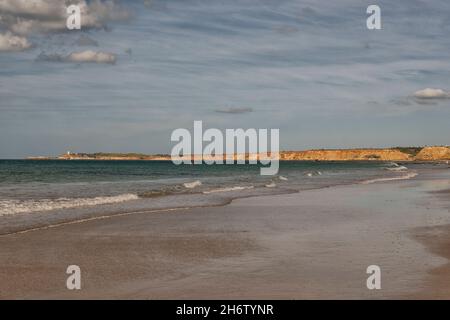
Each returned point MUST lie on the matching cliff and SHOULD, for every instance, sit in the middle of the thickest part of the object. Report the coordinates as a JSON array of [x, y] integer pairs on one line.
[[433, 154], [389, 154], [112, 156], [364, 154], [348, 155]]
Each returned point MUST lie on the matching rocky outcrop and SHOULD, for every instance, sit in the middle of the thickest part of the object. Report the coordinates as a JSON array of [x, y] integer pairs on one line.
[[433, 154]]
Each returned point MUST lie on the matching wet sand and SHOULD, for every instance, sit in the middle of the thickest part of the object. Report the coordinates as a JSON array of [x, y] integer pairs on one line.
[[437, 240], [313, 244]]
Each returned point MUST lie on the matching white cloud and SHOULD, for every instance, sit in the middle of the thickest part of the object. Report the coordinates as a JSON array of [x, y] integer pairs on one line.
[[10, 42], [22, 18], [430, 93], [92, 56], [35, 16], [38, 8]]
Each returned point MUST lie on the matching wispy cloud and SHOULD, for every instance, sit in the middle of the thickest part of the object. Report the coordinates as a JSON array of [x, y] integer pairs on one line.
[[92, 56], [234, 110], [86, 41], [88, 56]]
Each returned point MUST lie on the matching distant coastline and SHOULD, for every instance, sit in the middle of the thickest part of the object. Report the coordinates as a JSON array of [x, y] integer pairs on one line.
[[418, 154]]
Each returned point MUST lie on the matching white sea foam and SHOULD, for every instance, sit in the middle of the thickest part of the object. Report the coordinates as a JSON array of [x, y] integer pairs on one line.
[[271, 185], [407, 176], [397, 168], [13, 206], [313, 173], [393, 164], [282, 178], [192, 185], [228, 189]]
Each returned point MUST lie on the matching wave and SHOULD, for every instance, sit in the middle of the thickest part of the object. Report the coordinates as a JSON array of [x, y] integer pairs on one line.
[[393, 164], [313, 173], [227, 189], [271, 185], [191, 185], [397, 168], [282, 178], [157, 193], [171, 190], [8, 207], [407, 176]]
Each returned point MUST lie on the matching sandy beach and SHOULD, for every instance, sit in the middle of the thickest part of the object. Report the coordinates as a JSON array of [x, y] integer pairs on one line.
[[312, 244], [224, 150]]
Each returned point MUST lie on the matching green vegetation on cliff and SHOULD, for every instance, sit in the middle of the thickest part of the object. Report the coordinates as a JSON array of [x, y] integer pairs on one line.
[[413, 151]]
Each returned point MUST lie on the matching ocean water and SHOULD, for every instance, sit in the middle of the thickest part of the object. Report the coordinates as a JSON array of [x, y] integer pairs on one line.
[[92, 187]]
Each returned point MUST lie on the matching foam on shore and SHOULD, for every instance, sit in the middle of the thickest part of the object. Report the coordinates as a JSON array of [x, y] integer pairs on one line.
[[13, 206], [407, 176]]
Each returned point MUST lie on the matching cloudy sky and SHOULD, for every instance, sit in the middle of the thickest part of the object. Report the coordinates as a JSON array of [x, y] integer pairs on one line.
[[140, 69]]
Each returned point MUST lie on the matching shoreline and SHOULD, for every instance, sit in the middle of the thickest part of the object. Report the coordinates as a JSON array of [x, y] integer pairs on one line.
[[277, 247], [56, 220], [426, 153]]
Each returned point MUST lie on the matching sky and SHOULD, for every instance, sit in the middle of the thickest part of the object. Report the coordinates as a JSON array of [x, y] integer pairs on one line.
[[137, 70]]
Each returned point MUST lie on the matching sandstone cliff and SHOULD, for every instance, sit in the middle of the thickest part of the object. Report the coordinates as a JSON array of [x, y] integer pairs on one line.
[[348, 155], [433, 154], [366, 154]]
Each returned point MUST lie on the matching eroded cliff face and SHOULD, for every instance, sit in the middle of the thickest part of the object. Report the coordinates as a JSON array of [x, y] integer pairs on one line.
[[433, 154], [348, 155], [389, 154], [396, 154]]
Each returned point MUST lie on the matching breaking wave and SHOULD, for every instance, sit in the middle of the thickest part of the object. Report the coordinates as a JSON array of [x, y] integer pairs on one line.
[[313, 173], [227, 189], [407, 176], [398, 168], [8, 207], [192, 185]]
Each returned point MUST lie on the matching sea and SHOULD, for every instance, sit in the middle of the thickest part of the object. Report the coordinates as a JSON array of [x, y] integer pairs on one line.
[[35, 193]]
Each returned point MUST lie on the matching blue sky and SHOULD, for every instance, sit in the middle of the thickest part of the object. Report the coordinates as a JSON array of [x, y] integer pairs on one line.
[[310, 68]]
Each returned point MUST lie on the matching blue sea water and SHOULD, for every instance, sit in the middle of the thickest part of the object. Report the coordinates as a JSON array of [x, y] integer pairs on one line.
[[40, 186]]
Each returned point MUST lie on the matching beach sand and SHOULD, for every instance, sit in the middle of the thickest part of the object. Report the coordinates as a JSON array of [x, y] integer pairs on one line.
[[312, 244]]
